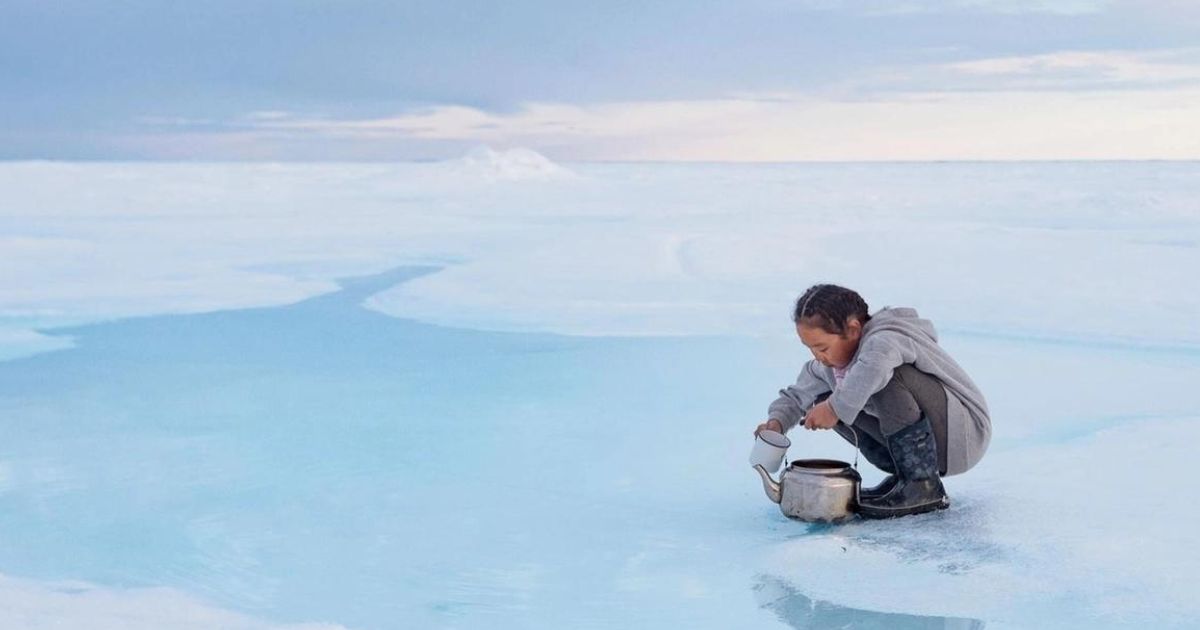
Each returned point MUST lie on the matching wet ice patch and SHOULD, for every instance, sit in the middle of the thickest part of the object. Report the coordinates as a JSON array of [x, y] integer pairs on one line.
[[70, 604], [1078, 534], [23, 342], [302, 461]]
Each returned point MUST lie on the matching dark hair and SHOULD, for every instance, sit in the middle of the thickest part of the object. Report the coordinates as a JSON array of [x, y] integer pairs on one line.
[[830, 307]]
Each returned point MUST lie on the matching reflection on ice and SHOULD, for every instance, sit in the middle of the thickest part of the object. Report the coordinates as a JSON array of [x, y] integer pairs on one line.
[[804, 613]]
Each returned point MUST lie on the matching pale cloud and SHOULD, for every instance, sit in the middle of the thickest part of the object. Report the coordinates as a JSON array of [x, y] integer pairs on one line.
[[1115, 104], [1080, 66], [926, 125], [173, 121], [159, 101], [1075, 71], [548, 120], [894, 7], [268, 115]]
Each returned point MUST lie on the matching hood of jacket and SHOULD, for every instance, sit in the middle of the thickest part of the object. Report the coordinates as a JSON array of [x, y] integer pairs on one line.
[[901, 319]]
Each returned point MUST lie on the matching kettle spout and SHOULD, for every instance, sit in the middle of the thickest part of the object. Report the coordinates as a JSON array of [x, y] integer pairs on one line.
[[769, 484]]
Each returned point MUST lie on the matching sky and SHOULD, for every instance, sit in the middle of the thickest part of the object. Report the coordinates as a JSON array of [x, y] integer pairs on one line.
[[696, 80]]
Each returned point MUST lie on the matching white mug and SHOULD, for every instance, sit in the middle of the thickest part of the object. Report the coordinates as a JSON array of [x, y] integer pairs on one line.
[[769, 448]]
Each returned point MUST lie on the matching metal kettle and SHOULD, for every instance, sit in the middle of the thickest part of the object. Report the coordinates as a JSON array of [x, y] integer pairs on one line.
[[815, 490]]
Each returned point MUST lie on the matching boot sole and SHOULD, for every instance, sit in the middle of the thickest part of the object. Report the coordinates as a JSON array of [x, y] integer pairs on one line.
[[871, 496], [879, 513]]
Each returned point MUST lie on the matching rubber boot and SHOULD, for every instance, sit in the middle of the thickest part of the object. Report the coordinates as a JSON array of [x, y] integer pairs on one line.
[[875, 453], [918, 486]]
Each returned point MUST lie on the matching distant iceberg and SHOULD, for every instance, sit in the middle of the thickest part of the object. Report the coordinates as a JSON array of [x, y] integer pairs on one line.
[[512, 164]]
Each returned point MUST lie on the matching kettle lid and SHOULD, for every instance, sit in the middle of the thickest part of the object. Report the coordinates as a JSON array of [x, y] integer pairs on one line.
[[827, 467]]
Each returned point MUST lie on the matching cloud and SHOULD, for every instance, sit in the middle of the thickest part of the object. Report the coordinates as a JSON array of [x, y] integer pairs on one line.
[[268, 115], [896, 7], [1077, 70], [1074, 71], [1071, 104], [1125, 106], [157, 98]]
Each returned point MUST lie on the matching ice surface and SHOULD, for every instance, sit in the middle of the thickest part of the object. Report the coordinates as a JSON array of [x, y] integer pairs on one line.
[[1048, 250], [32, 604], [258, 449], [20, 342]]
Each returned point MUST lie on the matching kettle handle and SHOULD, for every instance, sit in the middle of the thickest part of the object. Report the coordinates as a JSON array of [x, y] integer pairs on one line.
[[855, 435]]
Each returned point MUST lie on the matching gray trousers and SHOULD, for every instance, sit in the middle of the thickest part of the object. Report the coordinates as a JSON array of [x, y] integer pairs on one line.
[[900, 403]]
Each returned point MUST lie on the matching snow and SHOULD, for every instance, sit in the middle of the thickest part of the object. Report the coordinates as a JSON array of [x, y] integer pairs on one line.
[[619, 249], [31, 604], [502, 392], [513, 165]]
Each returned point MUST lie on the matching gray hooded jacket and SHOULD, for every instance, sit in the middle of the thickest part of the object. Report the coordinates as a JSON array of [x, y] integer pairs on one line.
[[895, 336]]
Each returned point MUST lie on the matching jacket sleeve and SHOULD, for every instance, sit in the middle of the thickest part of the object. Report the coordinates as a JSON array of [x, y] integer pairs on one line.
[[795, 400], [876, 361]]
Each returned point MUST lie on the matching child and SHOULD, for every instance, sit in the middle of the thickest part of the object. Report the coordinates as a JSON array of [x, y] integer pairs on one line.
[[882, 381]]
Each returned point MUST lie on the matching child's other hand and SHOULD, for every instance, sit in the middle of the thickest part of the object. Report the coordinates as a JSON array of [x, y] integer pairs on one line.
[[821, 416], [770, 425]]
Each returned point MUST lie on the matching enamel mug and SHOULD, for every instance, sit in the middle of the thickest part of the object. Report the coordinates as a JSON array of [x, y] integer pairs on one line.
[[769, 448]]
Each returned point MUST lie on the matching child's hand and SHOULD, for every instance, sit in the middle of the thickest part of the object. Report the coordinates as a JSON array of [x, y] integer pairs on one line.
[[821, 416], [770, 425]]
